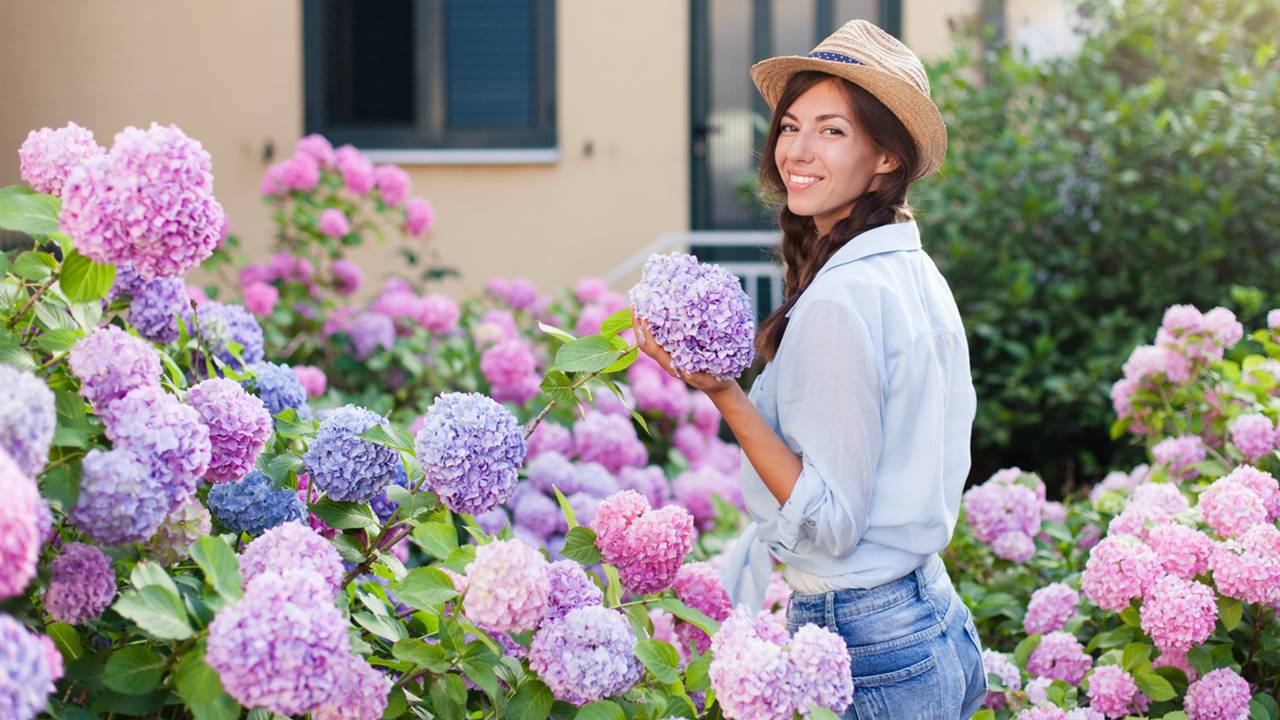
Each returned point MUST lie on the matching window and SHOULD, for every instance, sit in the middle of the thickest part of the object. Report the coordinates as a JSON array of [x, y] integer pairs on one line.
[[431, 74]]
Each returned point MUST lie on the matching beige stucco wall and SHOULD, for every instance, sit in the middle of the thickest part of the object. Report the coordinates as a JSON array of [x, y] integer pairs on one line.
[[230, 74]]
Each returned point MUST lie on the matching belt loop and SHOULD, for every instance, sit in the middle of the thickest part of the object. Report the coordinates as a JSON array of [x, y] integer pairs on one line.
[[831, 611]]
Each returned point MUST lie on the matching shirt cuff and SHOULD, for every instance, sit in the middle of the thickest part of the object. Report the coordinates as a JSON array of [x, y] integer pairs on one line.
[[795, 519]]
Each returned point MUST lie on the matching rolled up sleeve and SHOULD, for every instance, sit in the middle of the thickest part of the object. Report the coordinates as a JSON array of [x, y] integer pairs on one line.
[[830, 413]]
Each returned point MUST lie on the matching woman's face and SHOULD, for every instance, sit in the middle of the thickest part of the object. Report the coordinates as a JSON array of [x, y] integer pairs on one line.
[[824, 158]]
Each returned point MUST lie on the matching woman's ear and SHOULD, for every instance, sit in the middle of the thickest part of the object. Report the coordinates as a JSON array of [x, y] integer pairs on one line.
[[887, 164]]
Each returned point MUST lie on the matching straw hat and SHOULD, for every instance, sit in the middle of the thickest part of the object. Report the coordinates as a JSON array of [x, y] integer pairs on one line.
[[871, 58]]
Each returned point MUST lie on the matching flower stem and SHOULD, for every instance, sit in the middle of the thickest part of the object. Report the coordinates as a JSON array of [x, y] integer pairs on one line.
[[32, 300]]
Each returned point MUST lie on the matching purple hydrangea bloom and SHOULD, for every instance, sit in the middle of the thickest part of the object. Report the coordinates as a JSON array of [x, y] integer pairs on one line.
[[511, 371], [610, 440], [347, 277], [507, 586], [27, 419], [260, 645], [362, 693], [595, 480], [697, 312], [649, 481], [148, 202], [48, 156], [19, 529], [254, 504], [471, 449], [549, 436], [122, 498], [278, 386], [290, 546], [220, 325], [571, 589], [587, 655], [110, 362], [538, 514], [26, 674], [155, 304], [694, 489], [370, 331], [1180, 454], [171, 542], [552, 470], [170, 436], [238, 423], [492, 521], [82, 586], [345, 466], [584, 508]]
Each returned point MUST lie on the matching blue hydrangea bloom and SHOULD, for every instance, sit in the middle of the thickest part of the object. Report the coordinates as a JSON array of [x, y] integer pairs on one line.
[[471, 449], [278, 387], [254, 504], [219, 325], [27, 419], [344, 466], [156, 304]]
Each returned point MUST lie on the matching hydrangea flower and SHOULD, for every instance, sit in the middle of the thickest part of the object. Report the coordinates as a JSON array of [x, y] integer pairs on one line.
[[356, 169], [1014, 546], [507, 587], [538, 514], [1112, 691], [219, 325], [172, 541], [47, 157], [694, 489], [1264, 485], [289, 546], [370, 331], [698, 586], [569, 589], [1220, 695], [347, 277], [82, 586], [610, 440], [27, 670], [393, 184], [109, 363], [168, 435], [148, 202], [1061, 657], [345, 466], [279, 387], [261, 298], [820, 666], [318, 148], [1253, 435], [1164, 496], [238, 423], [587, 655], [312, 379], [1248, 568], [1178, 614], [299, 173], [333, 223], [998, 664], [511, 371], [254, 504], [595, 480], [1230, 507], [418, 217], [1180, 454], [551, 470], [1119, 569], [361, 693], [1183, 551], [155, 305], [550, 436], [1050, 608], [647, 546], [697, 312], [19, 528], [437, 313], [995, 508], [122, 498], [283, 623], [471, 449], [27, 419], [649, 481]]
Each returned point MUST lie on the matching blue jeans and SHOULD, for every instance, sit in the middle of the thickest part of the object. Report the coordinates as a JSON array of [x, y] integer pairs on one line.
[[914, 649]]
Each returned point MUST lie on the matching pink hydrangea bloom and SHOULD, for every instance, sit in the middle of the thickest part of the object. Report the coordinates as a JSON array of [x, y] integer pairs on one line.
[[333, 223], [1138, 521], [1253, 435], [1220, 695], [291, 546], [1178, 614], [1264, 485], [511, 370], [590, 289], [1061, 657], [1119, 481], [1164, 496], [356, 169], [261, 298], [694, 489], [361, 692], [590, 320], [239, 427], [646, 545], [19, 528], [437, 313], [994, 508], [47, 157], [998, 664], [1050, 609], [1249, 568], [1112, 690], [1221, 323], [1175, 660], [1014, 546], [1119, 569], [317, 147], [347, 277], [418, 216], [507, 586], [1273, 319], [1042, 712], [1230, 507], [393, 184], [1180, 454], [698, 586], [610, 440], [312, 378], [1183, 551]]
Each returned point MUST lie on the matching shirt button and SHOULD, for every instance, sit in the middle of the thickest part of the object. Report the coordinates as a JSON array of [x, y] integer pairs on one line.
[[809, 523]]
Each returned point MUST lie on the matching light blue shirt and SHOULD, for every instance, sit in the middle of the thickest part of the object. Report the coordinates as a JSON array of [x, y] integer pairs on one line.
[[871, 388]]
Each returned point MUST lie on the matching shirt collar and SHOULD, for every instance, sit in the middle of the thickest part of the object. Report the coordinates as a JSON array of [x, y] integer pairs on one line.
[[885, 238]]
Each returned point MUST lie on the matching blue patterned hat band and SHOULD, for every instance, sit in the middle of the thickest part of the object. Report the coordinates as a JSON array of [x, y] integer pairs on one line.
[[837, 57]]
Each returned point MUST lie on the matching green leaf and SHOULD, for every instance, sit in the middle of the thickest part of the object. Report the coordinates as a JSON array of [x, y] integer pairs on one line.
[[622, 363], [425, 588], [984, 714], [589, 354], [384, 627], [1135, 654], [1174, 715], [389, 436], [617, 322], [601, 710], [1229, 612], [66, 639], [1268, 703], [157, 611], [421, 653], [580, 546], [16, 357], [1024, 649], [110, 702], [58, 341], [532, 701], [821, 713], [289, 425], [33, 265], [437, 538], [1156, 687], [448, 695], [688, 614], [1129, 616], [84, 280], [218, 561], [34, 214], [148, 573], [133, 670], [345, 515], [660, 658], [556, 332], [557, 386], [478, 662], [199, 687]]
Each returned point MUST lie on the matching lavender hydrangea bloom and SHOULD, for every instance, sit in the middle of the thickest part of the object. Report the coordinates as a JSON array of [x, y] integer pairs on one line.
[[278, 386], [26, 678], [344, 466], [610, 440], [697, 312], [169, 435], [538, 514], [649, 481], [156, 306], [122, 498], [570, 590], [553, 470], [48, 156], [370, 331], [595, 479], [471, 449], [587, 655], [238, 423], [292, 546], [83, 584], [254, 504], [259, 645], [362, 693], [27, 419], [19, 528], [219, 325], [820, 665], [109, 363], [148, 202]]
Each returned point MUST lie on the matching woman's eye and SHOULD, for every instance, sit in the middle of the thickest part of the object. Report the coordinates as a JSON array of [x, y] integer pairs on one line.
[[786, 127], [834, 131]]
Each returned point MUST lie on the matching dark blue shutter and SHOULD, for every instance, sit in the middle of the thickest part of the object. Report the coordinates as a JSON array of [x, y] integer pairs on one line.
[[371, 61], [489, 63]]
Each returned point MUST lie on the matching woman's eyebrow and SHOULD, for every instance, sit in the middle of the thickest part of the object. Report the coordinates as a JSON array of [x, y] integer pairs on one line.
[[820, 118]]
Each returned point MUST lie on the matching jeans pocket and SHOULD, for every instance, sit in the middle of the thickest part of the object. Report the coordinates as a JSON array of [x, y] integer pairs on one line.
[[977, 674], [911, 692]]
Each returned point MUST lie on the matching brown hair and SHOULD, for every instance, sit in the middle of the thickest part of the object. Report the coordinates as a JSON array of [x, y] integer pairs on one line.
[[803, 253]]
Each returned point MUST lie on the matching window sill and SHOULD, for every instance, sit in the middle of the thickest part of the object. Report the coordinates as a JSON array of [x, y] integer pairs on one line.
[[478, 156]]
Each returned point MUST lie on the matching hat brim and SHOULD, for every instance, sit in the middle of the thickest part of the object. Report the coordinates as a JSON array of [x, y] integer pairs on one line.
[[917, 112]]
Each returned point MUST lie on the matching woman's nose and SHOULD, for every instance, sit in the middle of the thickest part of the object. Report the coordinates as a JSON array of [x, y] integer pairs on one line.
[[800, 149]]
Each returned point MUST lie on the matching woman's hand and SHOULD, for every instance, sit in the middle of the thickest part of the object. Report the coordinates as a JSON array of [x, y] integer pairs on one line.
[[706, 382]]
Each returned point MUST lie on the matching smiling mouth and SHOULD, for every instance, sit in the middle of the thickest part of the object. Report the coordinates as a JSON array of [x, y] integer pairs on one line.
[[801, 182]]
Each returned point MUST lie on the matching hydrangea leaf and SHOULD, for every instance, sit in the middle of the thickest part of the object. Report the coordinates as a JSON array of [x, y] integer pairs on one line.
[[689, 615], [1155, 687], [425, 588], [219, 564], [30, 213], [157, 611], [617, 322], [1230, 611], [556, 332], [660, 658], [84, 280], [345, 515], [601, 710], [532, 701], [133, 670], [580, 546], [589, 354], [199, 687], [439, 539]]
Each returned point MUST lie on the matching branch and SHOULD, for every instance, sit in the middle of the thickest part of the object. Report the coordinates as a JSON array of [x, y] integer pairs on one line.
[[32, 300]]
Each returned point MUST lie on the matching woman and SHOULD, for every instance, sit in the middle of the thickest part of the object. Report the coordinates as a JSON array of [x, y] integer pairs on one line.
[[856, 433]]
